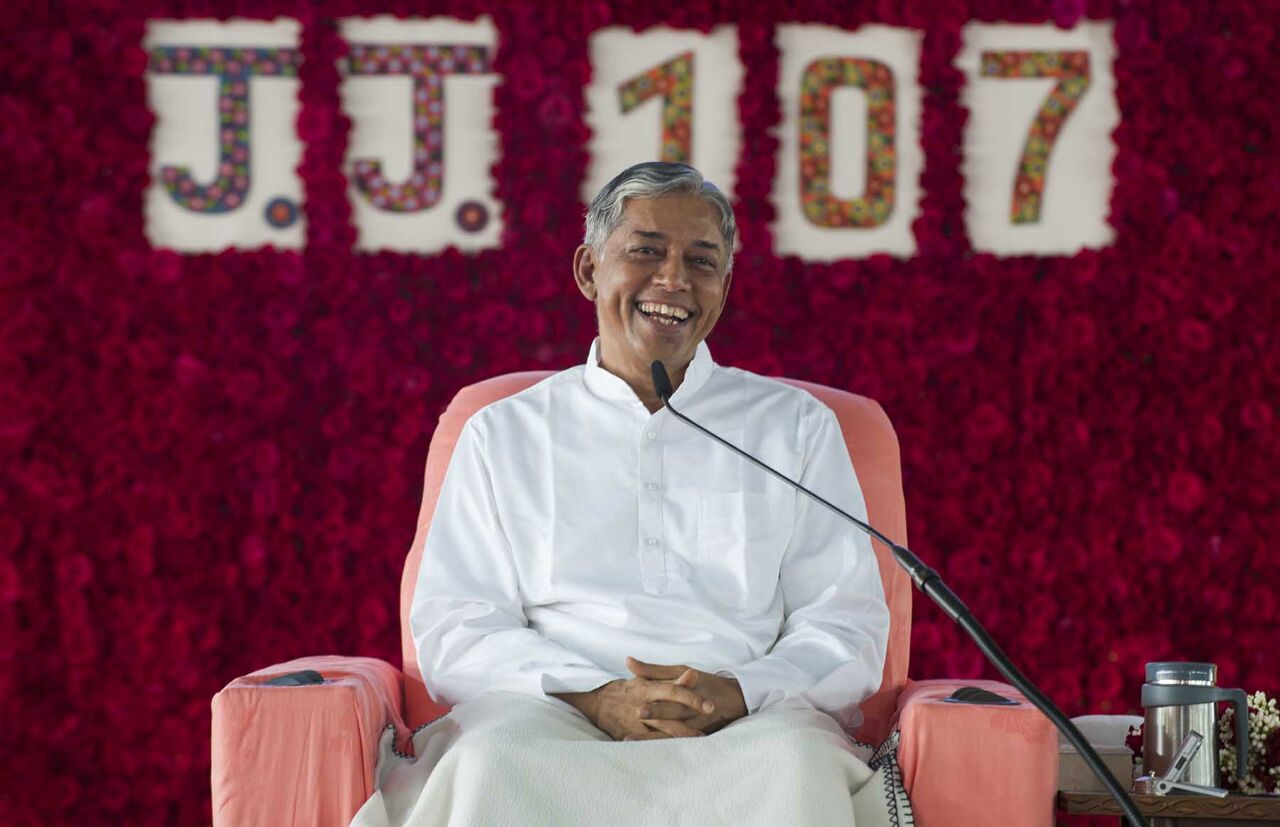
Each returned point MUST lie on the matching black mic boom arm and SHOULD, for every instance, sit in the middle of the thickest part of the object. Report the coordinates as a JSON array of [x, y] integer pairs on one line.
[[931, 584]]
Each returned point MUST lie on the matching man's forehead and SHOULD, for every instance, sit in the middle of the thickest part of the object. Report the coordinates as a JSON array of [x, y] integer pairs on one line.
[[655, 235], [639, 219]]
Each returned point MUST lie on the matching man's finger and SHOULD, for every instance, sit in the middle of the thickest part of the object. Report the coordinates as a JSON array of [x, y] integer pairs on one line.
[[665, 709], [680, 695], [648, 736], [675, 729], [654, 671]]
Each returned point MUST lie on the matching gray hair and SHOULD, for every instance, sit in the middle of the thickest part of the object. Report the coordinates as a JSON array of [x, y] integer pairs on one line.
[[650, 180]]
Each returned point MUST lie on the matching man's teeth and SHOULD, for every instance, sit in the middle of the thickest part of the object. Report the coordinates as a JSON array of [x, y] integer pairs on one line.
[[664, 313]]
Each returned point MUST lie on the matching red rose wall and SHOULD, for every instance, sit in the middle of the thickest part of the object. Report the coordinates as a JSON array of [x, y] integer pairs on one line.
[[213, 462]]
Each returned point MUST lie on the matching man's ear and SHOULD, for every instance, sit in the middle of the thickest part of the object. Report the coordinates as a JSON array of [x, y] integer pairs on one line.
[[724, 294], [584, 271]]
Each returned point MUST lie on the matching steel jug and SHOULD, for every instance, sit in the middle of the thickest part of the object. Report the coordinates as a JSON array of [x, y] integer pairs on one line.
[[1178, 698]]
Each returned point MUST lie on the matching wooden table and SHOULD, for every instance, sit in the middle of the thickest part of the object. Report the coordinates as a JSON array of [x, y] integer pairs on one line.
[[1180, 810]]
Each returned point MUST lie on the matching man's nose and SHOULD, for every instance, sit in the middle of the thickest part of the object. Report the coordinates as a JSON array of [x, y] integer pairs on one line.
[[673, 274]]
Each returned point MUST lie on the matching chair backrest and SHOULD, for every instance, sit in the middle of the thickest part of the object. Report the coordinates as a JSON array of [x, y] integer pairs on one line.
[[873, 447]]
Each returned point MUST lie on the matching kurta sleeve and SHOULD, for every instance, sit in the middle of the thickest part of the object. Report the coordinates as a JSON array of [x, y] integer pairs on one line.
[[834, 636], [467, 618]]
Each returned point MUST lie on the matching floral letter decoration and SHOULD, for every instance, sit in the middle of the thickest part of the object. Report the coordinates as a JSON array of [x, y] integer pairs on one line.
[[876, 80], [233, 68], [427, 65], [1072, 71], [849, 158], [1038, 146], [673, 82], [431, 81], [225, 149], [664, 95]]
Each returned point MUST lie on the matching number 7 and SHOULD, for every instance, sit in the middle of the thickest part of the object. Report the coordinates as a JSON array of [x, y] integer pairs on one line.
[[1072, 71]]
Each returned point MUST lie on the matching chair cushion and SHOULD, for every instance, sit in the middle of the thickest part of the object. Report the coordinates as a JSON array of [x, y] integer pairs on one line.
[[301, 754], [965, 764]]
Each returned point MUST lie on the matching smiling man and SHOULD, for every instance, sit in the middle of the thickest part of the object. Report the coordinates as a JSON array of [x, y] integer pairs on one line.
[[658, 272], [598, 572]]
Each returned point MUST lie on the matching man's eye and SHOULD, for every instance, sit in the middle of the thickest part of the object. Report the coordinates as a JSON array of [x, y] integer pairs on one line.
[[645, 250]]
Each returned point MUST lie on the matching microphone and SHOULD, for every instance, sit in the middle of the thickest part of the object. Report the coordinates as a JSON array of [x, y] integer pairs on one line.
[[930, 583], [661, 382]]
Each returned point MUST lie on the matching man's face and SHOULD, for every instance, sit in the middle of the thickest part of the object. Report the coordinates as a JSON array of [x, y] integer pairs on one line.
[[659, 284]]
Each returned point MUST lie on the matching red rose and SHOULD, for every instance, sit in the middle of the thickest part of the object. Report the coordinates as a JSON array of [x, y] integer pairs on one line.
[[457, 353], [987, 422], [555, 111], [1105, 682], [524, 75], [10, 582], [1163, 544], [1256, 414], [1260, 602], [1149, 309], [1195, 335], [1134, 742], [926, 637], [1079, 332], [1185, 490], [139, 550], [1210, 432], [75, 571], [188, 370], [374, 616], [58, 487], [1066, 12]]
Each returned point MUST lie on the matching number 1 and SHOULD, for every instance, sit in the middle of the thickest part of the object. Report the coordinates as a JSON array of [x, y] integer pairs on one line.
[[672, 80]]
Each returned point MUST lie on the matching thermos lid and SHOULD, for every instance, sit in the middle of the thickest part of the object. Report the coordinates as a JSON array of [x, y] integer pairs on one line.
[[1179, 672]]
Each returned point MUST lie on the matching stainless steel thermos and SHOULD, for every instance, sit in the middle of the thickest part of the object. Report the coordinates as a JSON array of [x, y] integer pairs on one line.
[[1178, 698]]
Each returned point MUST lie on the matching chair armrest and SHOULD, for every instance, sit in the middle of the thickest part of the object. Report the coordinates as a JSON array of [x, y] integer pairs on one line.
[[302, 756], [965, 764]]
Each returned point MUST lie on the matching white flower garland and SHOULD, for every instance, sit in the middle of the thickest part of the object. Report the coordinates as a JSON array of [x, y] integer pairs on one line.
[[1264, 719]]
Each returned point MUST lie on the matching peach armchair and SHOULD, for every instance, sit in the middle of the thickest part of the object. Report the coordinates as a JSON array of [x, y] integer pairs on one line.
[[304, 756]]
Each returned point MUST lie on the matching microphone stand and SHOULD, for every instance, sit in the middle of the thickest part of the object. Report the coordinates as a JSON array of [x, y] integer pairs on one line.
[[930, 583]]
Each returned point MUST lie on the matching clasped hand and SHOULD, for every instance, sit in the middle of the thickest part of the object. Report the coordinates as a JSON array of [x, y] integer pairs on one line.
[[662, 702]]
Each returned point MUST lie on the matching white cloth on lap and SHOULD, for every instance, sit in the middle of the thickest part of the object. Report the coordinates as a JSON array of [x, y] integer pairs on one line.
[[514, 758]]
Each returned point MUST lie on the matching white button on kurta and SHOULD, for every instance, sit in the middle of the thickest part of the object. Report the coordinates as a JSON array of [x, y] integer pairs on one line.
[[575, 528]]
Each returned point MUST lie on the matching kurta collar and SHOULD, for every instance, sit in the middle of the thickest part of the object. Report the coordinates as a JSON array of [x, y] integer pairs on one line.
[[607, 386]]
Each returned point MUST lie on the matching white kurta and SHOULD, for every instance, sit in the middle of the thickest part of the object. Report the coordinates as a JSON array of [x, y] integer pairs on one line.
[[575, 528]]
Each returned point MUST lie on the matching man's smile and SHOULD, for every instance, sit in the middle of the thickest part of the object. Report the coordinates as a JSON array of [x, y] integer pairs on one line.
[[665, 314]]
